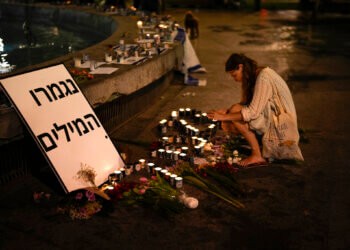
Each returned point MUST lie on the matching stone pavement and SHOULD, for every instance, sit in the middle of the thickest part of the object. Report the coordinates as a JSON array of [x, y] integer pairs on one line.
[[314, 59], [287, 206]]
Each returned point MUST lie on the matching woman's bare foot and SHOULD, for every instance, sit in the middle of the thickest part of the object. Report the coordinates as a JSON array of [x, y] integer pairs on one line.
[[252, 160]]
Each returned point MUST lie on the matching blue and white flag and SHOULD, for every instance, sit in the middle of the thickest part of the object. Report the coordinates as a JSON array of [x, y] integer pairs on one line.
[[190, 63]]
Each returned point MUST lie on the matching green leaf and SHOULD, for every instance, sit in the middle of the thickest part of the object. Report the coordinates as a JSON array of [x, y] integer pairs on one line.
[[212, 189]]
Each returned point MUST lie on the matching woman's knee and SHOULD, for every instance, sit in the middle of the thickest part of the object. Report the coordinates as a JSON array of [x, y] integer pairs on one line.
[[235, 108], [229, 127]]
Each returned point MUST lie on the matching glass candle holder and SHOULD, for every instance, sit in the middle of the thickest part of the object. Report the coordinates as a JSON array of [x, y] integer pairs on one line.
[[181, 112], [172, 180], [178, 182]]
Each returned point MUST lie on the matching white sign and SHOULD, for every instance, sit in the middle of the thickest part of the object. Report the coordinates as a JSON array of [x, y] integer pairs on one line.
[[63, 124]]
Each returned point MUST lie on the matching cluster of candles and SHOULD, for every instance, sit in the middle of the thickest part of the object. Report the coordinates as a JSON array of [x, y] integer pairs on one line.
[[150, 37], [161, 31], [118, 175], [179, 142], [187, 133]]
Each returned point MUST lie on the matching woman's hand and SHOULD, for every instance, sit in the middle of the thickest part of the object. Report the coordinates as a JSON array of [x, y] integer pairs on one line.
[[216, 114], [211, 114]]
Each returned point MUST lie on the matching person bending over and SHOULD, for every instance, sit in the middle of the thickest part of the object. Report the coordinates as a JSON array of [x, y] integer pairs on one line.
[[248, 117]]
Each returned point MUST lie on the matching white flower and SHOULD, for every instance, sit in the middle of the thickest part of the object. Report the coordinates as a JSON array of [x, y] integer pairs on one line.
[[191, 202]]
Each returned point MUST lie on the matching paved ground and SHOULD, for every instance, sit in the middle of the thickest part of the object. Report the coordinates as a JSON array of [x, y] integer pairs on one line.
[[287, 206]]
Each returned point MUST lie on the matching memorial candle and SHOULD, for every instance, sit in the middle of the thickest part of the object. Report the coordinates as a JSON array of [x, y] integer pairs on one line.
[[188, 112], [181, 112], [142, 162]]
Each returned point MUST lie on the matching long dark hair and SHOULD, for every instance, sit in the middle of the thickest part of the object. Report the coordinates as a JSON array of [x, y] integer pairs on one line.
[[249, 74]]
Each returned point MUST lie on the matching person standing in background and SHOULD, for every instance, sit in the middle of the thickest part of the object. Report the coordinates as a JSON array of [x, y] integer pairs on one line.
[[192, 27]]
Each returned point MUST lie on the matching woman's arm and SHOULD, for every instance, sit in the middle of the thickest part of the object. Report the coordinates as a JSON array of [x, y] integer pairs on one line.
[[235, 116], [230, 114]]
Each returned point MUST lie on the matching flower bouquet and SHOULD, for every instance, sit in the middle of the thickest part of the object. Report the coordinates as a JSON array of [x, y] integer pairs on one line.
[[155, 193], [81, 75], [218, 184]]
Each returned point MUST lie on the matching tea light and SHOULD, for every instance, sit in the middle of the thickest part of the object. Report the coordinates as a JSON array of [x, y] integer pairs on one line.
[[178, 139], [172, 179], [165, 139], [181, 112], [184, 149], [139, 24], [178, 182], [197, 118], [194, 140], [154, 154], [156, 39], [163, 172], [150, 167], [183, 156], [113, 179], [157, 170], [211, 126], [173, 115], [196, 131], [162, 126], [142, 162], [176, 155], [188, 112], [167, 176], [197, 149], [161, 153], [123, 172], [204, 118], [216, 122], [119, 175], [183, 122], [169, 154], [188, 129], [203, 141], [108, 58]]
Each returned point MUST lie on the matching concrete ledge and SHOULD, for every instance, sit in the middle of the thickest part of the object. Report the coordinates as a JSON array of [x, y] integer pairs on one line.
[[131, 80]]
